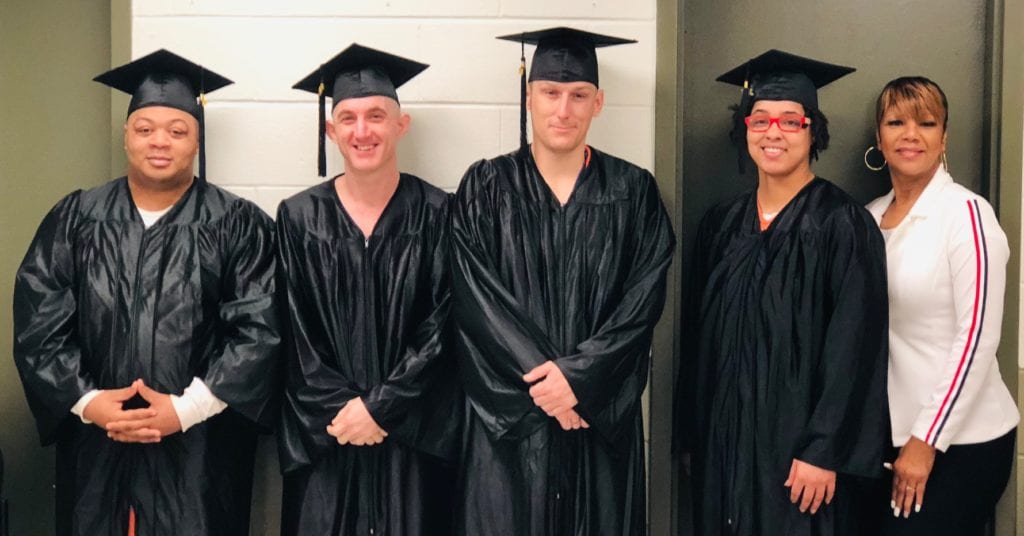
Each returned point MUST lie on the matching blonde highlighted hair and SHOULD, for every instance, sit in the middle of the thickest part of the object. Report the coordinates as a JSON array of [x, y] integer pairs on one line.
[[913, 96]]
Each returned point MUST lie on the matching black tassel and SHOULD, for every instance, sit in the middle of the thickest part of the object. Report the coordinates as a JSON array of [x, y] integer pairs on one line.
[[738, 134], [202, 137], [202, 124], [522, 96], [321, 156], [740, 131]]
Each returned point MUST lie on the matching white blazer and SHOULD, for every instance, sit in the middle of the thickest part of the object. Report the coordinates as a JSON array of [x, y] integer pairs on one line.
[[947, 274]]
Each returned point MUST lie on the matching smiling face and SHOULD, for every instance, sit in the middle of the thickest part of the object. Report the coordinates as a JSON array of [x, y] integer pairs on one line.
[[912, 128], [561, 113], [161, 145], [366, 131], [777, 153], [913, 147]]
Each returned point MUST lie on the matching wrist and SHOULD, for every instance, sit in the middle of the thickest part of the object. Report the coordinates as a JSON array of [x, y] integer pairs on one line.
[[80, 407], [186, 412]]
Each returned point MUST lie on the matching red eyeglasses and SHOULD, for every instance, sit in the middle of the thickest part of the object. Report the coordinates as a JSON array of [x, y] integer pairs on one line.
[[787, 123]]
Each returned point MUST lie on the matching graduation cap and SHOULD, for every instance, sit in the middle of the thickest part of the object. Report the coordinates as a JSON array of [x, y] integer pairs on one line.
[[778, 75], [164, 78], [562, 55], [355, 72]]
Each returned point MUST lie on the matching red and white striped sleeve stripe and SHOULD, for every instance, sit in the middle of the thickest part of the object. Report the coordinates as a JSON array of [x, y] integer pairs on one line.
[[974, 335]]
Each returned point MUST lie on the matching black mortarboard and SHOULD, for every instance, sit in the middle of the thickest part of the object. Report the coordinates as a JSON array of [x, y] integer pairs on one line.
[[164, 78], [562, 55], [778, 75], [355, 72]]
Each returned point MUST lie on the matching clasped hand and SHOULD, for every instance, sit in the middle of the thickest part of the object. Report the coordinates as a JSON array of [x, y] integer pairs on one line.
[[552, 393], [144, 425], [353, 425]]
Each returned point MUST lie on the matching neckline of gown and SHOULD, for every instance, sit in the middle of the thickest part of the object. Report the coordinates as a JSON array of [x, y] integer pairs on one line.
[[380, 224], [173, 211], [754, 222], [543, 186]]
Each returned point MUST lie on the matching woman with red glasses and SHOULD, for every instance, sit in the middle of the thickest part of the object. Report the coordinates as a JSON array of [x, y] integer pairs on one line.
[[953, 419], [783, 373]]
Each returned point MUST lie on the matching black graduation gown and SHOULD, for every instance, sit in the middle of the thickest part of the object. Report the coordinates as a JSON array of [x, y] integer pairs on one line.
[[786, 359], [99, 301], [582, 285], [368, 319]]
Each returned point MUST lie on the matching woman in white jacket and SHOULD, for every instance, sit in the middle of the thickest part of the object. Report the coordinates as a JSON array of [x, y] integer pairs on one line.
[[953, 419]]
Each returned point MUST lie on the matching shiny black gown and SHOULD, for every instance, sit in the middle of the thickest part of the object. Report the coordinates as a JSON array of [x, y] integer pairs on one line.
[[368, 318], [583, 285], [101, 300], [785, 356]]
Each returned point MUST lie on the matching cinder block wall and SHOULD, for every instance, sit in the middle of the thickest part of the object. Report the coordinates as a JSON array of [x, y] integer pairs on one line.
[[262, 134]]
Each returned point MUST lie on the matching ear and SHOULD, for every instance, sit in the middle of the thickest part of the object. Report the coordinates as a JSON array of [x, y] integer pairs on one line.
[[404, 121], [194, 135], [529, 91], [598, 102], [195, 127], [329, 129]]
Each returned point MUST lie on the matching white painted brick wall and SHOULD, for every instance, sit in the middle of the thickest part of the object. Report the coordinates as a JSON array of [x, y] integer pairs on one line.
[[261, 134]]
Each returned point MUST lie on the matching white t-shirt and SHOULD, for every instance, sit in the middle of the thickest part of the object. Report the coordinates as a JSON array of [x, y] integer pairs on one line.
[[149, 217]]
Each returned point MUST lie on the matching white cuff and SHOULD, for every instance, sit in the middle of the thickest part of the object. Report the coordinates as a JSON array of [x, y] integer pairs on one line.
[[79, 407], [196, 404]]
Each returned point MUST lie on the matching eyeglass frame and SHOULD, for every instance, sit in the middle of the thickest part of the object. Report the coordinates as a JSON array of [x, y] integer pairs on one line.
[[805, 122]]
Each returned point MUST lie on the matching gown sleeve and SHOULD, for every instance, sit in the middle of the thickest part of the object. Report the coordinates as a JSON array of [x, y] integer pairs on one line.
[[497, 342], [848, 425], [46, 344], [244, 370], [684, 432], [608, 373], [315, 391]]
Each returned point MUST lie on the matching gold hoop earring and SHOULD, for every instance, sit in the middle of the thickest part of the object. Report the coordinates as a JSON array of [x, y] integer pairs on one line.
[[868, 164], [945, 164]]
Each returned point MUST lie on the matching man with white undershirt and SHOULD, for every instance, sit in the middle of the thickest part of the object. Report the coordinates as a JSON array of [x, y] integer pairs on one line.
[[146, 333]]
